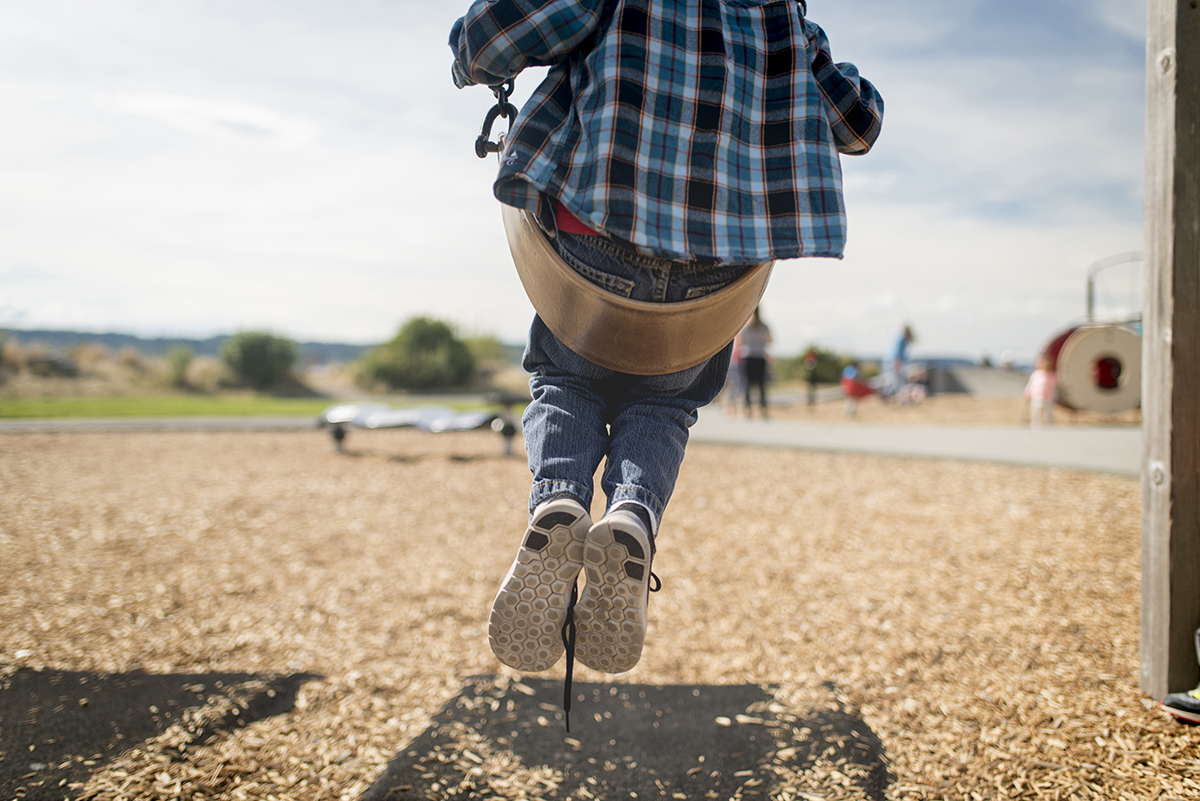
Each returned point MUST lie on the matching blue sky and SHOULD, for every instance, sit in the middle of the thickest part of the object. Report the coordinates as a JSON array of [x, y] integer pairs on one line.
[[193, 168]]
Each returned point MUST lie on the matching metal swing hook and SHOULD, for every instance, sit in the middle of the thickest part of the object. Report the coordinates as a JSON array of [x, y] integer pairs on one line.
[[504, 109]]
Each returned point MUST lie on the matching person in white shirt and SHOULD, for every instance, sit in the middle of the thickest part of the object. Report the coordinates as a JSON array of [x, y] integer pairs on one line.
[[753, 342]]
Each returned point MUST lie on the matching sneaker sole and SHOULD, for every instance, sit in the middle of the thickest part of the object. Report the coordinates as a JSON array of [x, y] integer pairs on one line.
[[1181, 715], [525, 626], [610, 617]]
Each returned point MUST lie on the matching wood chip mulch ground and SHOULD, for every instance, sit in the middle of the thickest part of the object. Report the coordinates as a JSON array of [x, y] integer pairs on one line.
[[254, 616]]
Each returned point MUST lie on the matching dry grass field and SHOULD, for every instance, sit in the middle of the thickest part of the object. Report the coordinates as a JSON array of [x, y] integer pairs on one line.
[[254, 616]]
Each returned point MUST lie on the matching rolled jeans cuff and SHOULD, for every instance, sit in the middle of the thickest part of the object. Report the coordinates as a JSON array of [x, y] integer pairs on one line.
[[543, 491], [629, 492]]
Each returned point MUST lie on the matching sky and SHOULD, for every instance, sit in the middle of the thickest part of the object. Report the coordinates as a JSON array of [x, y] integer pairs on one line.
[[194, 168]]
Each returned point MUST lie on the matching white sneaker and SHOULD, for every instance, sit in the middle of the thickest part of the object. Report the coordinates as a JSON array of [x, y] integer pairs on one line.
[[525, 627], [610, 617]]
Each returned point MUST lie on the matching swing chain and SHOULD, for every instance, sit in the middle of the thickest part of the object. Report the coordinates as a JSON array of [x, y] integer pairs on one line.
[[504, 109]]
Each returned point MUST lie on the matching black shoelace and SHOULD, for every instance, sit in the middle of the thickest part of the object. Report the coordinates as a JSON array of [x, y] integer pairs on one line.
[[568, 638]]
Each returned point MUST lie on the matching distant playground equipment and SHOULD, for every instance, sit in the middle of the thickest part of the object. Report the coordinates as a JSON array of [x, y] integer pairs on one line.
[[1099, 363], [339, 418], [913, 389], [910, 393], [1099, 368], [854, 388], [910, 386]]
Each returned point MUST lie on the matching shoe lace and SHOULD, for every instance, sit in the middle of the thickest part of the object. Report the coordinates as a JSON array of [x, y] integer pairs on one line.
[[568, 638]]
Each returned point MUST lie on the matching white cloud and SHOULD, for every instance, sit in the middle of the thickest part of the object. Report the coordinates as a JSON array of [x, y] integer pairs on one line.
[[208, 117]]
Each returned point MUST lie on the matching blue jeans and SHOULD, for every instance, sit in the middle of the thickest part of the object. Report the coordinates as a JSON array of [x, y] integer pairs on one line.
[[582, 412]]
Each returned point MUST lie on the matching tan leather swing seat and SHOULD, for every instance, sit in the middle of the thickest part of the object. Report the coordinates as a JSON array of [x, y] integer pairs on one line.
[[629, 336]]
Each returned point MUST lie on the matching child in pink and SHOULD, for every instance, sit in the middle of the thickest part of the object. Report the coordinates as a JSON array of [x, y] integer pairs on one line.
[[1041, 392]]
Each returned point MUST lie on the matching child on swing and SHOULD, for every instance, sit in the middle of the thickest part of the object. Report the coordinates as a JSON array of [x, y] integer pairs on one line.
[[673, 146]]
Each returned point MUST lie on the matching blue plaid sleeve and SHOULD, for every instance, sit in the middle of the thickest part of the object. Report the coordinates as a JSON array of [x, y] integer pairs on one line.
[[496, 39], [853, 106]]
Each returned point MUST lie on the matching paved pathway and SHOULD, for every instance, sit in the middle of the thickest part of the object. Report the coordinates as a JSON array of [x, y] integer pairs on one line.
[[1103, 449]]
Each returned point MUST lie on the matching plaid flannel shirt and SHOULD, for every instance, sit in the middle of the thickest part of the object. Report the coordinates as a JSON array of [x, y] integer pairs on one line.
[[688, 128]]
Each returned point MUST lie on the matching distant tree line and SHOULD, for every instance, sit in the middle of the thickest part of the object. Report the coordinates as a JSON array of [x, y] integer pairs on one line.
[[63, 341], [425, 354], [254, 359]]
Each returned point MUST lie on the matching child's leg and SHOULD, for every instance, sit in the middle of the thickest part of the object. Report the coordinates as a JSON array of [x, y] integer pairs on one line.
[[649, 434], [566, 436], [565, 427], [576, 402], [652, 415]]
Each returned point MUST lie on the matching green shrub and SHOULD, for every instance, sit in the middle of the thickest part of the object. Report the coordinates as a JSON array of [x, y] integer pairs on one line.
[[425, 354], [259, 359], [179, 359]]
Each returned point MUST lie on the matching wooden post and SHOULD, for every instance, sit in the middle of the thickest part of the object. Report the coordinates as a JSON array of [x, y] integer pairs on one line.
[[1171, 348]]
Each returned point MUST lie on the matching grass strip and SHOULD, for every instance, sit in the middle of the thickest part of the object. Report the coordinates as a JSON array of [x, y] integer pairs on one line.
[[161, 406]]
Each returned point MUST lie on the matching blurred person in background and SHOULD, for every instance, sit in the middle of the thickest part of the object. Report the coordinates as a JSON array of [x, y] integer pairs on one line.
[[753, 344], [811, 360], [897, 366], [1041, 392]]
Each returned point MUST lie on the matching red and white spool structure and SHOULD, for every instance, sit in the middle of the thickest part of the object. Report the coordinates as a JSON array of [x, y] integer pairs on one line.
[[1099, 364], [1099, 368]]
